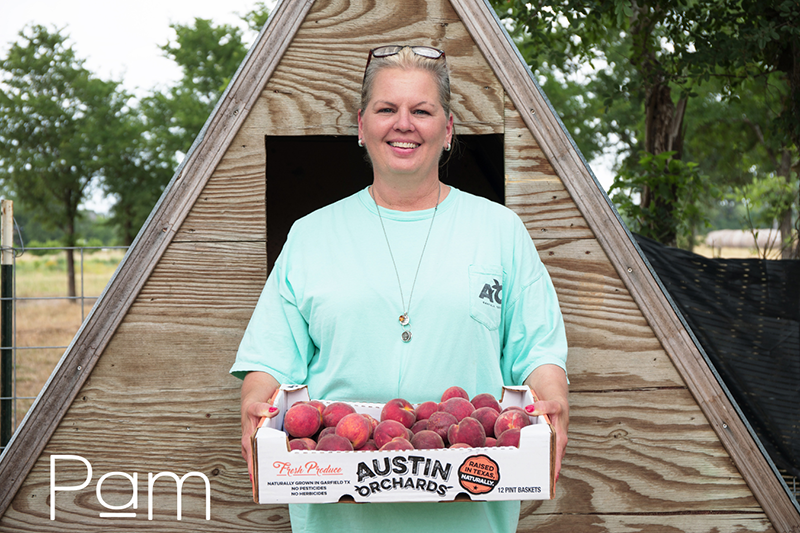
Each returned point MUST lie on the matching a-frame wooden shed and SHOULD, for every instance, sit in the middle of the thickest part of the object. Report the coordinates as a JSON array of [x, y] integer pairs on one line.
[[655, 443]]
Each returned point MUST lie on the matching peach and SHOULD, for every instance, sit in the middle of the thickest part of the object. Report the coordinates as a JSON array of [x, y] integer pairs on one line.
[[427, 440], [368, 447], [318, 404], [486, 400], [491, 442], [387, 430], [460, 445], [397, 443], [334, 443], [469, 431], [487, 416], [302, 420], [511, 407], [425, 410], [399, 410], [302, 444], [440, 422], [335, 412], [373, 423], [326, 431], [511, 419], [454, 392], [355, 428], [509, 437], [419, 425], [458, 407]]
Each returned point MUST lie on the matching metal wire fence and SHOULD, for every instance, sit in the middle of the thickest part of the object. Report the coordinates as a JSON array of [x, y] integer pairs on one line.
[[16, 403]]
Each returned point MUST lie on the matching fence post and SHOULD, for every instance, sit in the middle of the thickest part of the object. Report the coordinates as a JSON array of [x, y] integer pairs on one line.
[[6, 321]]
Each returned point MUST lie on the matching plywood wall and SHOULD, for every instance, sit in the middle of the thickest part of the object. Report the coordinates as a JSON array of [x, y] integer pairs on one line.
[[641, 453]]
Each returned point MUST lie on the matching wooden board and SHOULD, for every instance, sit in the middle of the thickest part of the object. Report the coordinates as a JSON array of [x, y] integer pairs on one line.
[[232, 206], [316, 88], [630, 453]]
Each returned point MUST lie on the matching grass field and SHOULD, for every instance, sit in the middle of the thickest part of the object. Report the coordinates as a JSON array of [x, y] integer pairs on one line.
[[44, 327]]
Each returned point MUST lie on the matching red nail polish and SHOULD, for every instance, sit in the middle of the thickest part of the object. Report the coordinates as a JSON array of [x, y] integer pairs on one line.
[[273, 409], [530, 408]]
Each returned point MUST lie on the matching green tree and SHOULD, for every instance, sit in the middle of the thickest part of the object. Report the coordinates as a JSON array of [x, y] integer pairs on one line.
[[166, 123], [640, 43], [56, 122], [746, 42]]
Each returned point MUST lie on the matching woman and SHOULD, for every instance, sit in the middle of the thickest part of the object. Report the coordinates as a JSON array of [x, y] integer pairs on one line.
[[402, 290]]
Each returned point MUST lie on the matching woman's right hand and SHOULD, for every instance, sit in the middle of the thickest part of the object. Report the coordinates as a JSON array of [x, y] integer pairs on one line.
[[258, 391]]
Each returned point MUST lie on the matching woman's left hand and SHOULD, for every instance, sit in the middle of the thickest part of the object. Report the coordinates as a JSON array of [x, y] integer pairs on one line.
[[550, 385]]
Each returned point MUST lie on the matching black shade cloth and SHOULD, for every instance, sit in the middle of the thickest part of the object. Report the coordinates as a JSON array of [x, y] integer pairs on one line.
[[746, 315]]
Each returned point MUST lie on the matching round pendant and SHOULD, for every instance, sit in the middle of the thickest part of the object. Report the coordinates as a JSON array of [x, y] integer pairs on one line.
[[406, 336], [404, 319]]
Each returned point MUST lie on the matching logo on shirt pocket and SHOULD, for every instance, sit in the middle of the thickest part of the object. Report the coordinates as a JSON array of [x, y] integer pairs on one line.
[[486, 294]]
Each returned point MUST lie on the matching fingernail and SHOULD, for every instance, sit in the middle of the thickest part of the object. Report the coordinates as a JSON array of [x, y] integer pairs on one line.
[[530, 408], [273, 409]]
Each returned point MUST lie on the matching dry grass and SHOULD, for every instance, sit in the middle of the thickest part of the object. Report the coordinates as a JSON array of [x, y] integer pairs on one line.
[[725, 252], [51, 323]]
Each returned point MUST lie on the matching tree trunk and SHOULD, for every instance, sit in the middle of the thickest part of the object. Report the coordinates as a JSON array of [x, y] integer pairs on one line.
[[663, 133], [785, 222]]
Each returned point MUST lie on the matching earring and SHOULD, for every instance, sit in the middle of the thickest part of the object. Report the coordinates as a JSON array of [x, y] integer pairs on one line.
[[447, 148], [361, 143]]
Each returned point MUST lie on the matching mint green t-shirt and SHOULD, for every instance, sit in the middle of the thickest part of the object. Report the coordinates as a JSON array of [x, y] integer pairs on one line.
[[483, 313]]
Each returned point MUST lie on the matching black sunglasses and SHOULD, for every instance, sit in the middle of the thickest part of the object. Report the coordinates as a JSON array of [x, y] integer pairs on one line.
[[393, 49]]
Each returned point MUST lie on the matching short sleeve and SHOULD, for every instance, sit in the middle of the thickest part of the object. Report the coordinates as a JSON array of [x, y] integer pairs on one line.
[[276, 340], [534, 327]]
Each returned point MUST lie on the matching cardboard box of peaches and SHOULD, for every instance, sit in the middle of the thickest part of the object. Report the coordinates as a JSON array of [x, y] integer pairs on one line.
[[437, 451]]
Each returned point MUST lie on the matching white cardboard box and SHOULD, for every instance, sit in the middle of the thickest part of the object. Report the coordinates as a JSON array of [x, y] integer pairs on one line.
[[477, 474]]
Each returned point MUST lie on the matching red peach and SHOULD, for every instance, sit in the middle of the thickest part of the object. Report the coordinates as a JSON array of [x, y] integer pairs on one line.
[[425, 410], [368, 447], [326, 431], [397, 443], [511, 419], [355, 428], [302, 444], [510, 407], [509, 437], [400, 410], [487, 417], [419, 425], [486, 400], [334, 443], [440, 422], [427, 440], [387, 430], [469, 431], [491, 442], [458, 407], [460, 445], [373, 423], [335, 412], [301, 420], [318, 404], [454, 392]]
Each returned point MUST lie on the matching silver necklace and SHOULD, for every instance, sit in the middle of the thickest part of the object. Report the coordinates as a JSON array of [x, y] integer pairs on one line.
[[404, 320]]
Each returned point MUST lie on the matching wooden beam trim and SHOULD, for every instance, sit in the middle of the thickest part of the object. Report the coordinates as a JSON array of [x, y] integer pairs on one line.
[[83, 353], [503, 57]]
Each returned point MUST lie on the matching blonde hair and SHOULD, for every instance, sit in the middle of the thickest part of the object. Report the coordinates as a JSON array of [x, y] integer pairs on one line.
[[406, 59]]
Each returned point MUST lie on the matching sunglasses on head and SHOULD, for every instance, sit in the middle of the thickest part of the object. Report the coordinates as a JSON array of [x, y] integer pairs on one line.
[[394, 49]]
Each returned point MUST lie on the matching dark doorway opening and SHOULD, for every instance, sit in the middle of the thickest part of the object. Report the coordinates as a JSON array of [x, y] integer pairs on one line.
[[306, 173]]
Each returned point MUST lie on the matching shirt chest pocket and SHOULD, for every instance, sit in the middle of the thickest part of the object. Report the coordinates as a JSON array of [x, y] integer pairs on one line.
[[486, 294]]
